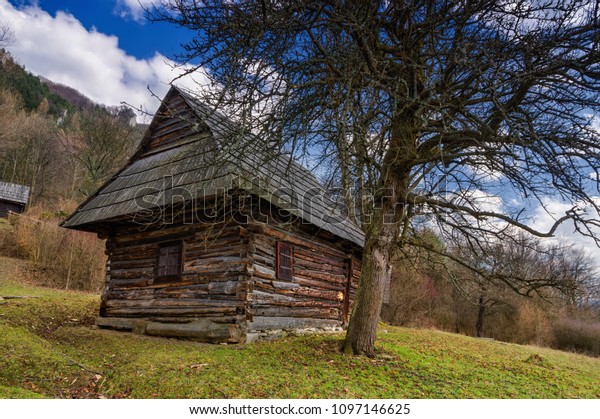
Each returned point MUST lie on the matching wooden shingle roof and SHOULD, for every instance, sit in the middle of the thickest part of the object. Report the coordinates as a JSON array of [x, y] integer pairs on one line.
[[215, 154], [14, 193]]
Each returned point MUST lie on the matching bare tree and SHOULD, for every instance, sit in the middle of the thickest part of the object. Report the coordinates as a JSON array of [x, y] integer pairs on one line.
[[28, 152], [31, 158], [99, 142], [433, 106], [7, 36], [490, 276], [10, 106], [580, 275]]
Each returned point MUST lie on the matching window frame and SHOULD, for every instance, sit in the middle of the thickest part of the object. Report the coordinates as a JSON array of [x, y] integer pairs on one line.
[[279, 273], [169, 276]]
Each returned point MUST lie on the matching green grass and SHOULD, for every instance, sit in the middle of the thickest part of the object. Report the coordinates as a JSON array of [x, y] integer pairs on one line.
[[51, 350]]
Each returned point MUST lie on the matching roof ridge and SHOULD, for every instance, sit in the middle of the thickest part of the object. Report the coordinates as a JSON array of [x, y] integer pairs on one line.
[[291, 163]]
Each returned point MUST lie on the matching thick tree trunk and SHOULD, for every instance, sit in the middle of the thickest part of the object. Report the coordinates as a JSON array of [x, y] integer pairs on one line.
[[480, 316], [375, 273], [382, 233]]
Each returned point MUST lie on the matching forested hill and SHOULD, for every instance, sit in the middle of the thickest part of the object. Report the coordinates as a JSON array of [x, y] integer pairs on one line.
[[30, 88], [57, 141], [72, 96]]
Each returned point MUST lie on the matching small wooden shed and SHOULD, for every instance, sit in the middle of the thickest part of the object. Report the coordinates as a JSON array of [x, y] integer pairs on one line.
[[13, 198], [211, 237]]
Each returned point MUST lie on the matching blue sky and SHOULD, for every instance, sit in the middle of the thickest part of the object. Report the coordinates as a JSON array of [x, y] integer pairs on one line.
[[107, 51], [137, 36], [104, 48]]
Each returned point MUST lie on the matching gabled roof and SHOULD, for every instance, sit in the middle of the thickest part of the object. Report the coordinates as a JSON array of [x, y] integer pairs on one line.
[[216, 154], [14, 193]]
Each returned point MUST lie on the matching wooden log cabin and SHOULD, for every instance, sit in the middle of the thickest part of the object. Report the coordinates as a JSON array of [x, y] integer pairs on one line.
[[211, 237], [13, 198]]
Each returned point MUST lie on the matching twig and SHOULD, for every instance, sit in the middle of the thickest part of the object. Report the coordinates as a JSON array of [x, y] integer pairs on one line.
[[83, 367], [13, 297]]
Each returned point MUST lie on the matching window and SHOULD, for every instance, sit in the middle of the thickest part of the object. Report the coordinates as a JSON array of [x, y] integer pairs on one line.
[[169, 260], [285, 261]]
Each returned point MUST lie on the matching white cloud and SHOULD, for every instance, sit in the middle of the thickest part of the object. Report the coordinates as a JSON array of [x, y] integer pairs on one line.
[[61, 49], [541, 217], [545, 216], [481, 201], [595, 122], [134, 9]]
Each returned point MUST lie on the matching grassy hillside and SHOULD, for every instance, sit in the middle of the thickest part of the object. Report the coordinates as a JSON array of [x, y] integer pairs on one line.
[[50, 350]]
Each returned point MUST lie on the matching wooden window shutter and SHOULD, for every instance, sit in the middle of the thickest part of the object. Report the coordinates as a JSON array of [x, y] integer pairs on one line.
[[169, 259], [285, 261]]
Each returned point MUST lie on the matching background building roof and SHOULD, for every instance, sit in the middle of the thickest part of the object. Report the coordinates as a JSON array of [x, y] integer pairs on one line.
[[14, 193]]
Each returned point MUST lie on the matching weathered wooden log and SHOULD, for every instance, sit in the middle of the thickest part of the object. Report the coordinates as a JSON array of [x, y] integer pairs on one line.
[[280, 285], [214, 261], [119, 323], [322, 294], [207, 276], [278, 301], [309, 312], [169, 311], [295, 238], [329, 267], [134, 263], [130, 283], [133, 273], [228, 251], [134, 257], [217, 238], [131, 250], [196, 291], [297, 290], [264, 272], [217, 317], [325, 277], [229, 287], [202, 330], [262, 297], [130, 294], [221, 239], [139, 238], [317, 284], [317, 257], [212, 301], [264, 260]]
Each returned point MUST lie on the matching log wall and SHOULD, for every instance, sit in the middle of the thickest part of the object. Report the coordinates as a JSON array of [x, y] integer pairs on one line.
[[228, 290], [213, 285], [319, 296]]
